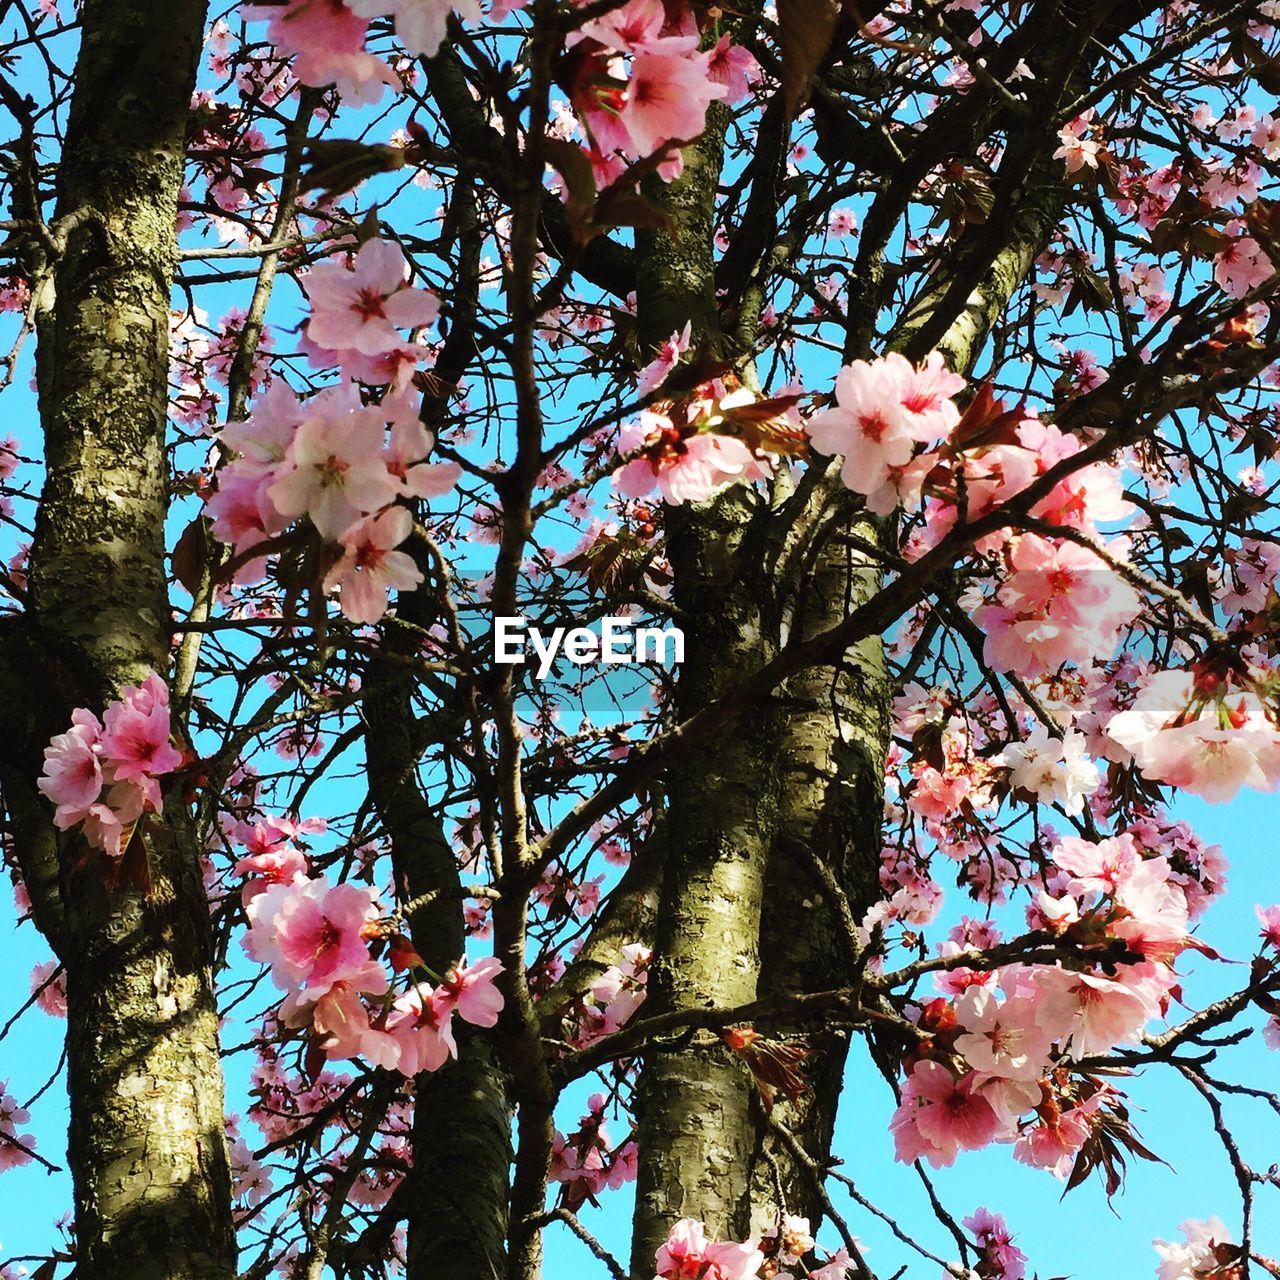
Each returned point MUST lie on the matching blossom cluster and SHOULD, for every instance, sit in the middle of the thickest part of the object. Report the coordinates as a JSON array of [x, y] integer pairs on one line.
[[326, 40], [1205, 1250], [587, 1162], [103, 775], [613, 998], [15, 1147], [642, 81], [994, 1064], [883, 409], [1240, 262], [901, 439], [1001, 1258], [779, 1253], [1201, 735], [638, 77], [315, 938], [343, 465], [686, 450]]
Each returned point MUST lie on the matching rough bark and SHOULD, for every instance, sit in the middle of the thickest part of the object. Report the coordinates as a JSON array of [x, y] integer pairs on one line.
[[694, 1126], [835, 731], [695, 1130], [147, 1151], [456, 1207]]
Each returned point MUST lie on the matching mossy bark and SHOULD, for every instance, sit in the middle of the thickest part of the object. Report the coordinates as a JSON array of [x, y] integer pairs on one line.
[[695, 1131], [694, 1106], [831, 755], [146, 1149]]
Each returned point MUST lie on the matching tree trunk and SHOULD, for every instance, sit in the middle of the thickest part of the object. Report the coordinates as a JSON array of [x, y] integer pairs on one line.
[[694, 1126], [830, 805], [456, 1206], [147, 1151]]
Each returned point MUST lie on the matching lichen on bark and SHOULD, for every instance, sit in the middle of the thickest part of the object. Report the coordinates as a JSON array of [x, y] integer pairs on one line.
[[147, 1147]]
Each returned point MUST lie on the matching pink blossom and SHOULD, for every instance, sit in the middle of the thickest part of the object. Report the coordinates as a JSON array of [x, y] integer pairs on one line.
[[72, 777], [937, 795], [867, 425], [793, 1236], [1077, 151], [262, 441], [838, 1265], [325, 38], [394, 367], [1212, 762], [628, 28], [1196, 1254], [310, 933], [336, 471], [620, 990], [1052, 769], [734, 67], [1211, 747], [340, 1021], [1060, 604], [924, 392], [1241, 265], [1010, 1099], [667, 356], [361, 309], [243, 516], [49, 986], [271, 857], [421, 1022], [281, 865], [1152, 911], [1097, 866], [15, 1148], [1108, 1011], [369, 568], [1269, 918], [251, 1182], [687, 1252], [940, 1116], [843, 223], [410, 445], [1053, 1145], [667, 97], [472, 991], [682, 467], [1002, 1259], [420, 24], [1002, 1039], [883, 408], [127, 756], [107, 823], [135, 741]]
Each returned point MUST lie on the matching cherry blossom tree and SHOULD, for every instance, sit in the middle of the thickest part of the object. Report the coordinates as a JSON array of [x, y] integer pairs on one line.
[[918, 362]]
